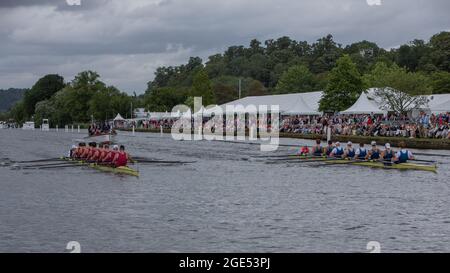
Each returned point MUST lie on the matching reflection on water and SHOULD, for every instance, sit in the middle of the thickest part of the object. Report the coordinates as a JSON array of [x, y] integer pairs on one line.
[[226, 201]]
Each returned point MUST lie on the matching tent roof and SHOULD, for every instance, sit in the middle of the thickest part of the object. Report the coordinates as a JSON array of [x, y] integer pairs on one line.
[[118, 117], [364, 106], [442, 107], [297, 102], [435, 100], [300, 108]]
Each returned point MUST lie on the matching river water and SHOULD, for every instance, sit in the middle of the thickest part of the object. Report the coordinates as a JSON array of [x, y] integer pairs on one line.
[[227, 201]]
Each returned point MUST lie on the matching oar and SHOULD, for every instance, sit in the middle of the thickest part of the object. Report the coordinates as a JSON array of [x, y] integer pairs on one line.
[[39, 160], [45, 165], [55, 167], [299, 160], [421, 160], [163, 161], [330, 162], [426, 154]]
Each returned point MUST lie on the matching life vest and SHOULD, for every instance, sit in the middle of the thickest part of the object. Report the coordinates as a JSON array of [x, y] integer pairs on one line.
[[121, 159], [318, 150], [375, 154], [362, 153], [339, 151], [351, 152], [388, 154], [403, 158]]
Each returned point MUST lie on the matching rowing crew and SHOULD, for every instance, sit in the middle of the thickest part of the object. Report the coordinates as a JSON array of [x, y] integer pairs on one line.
[[361, 153], [116, 157]]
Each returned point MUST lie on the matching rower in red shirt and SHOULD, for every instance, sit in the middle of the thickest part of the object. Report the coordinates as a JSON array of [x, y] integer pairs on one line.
[[122, 158], [93, 149], [304, 150], [110, 154]]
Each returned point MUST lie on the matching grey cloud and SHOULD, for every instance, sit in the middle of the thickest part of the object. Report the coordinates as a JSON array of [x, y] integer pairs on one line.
[[115, 29]]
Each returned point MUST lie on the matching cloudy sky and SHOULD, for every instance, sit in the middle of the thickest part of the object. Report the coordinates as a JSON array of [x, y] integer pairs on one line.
[[125, 41]]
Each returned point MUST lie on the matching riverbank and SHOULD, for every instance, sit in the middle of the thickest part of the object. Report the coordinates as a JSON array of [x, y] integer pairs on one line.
[[416, 143]]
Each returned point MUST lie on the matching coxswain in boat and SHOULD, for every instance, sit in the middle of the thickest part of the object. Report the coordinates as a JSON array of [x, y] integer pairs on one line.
[[122, 158], [304, 151], [317, 149], [349, 151], [73, 151], [388, 153], [329, 148], [361, 152], [374, 152], [403, 155], [338, 151]]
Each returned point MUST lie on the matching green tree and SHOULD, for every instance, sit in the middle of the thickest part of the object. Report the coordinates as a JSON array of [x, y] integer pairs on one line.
[[344, 86], [164, 99], [398, 78], [256, 88], [440, 47], [43, 89], [202, 87], [296, 79], [18, 112], [398, 89], [440, 82]]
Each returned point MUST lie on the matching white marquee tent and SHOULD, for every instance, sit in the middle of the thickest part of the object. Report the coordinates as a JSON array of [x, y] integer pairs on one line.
[[364, 106], [119, 118], [441, 108], [292, 104]]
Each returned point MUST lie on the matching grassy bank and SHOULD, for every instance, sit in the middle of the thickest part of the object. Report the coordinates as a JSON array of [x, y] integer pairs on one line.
[[417, 143]]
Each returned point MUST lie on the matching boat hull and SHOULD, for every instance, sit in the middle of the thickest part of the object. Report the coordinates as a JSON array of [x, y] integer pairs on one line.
[[103, 168], [382, 165], [100, 138], [372, 164]]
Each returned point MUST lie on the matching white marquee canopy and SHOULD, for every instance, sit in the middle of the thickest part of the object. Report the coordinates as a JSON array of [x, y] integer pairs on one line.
[[364, 106]]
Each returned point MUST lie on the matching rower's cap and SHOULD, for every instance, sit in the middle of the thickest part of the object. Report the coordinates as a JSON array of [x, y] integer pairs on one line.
[[115, 147], [387, 145], [338, 143], [373, 143], [74, 146], [349, 143]]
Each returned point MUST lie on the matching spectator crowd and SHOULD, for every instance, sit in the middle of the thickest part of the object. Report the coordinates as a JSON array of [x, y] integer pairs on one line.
[[423, 126]]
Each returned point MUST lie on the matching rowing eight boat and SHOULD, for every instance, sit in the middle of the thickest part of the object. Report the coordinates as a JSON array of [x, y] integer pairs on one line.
[[105, 168], [387, 165], [368, 163]]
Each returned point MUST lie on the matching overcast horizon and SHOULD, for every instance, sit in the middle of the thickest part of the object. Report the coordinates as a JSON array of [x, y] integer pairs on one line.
[[126, 41]]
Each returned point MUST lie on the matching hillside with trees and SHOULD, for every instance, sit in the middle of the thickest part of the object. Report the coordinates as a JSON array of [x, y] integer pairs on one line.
[[270, 67], [9, 97]]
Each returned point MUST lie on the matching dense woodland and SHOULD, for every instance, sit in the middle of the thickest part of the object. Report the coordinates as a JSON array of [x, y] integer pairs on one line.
[[9, 97], [271, 67]]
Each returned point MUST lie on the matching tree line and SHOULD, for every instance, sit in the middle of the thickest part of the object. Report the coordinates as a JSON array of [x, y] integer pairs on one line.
[[275, 67]]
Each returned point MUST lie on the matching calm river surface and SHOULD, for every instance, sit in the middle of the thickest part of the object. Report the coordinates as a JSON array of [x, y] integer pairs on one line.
[[227, 201]]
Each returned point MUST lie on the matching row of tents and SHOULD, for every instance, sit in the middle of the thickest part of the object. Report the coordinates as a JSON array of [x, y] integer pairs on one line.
[[300, 104], [308, 104]]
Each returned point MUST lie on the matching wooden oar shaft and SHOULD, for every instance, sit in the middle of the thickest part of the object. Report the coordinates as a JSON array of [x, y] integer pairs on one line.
[[56, 167], [51, 164], [39, 160]]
